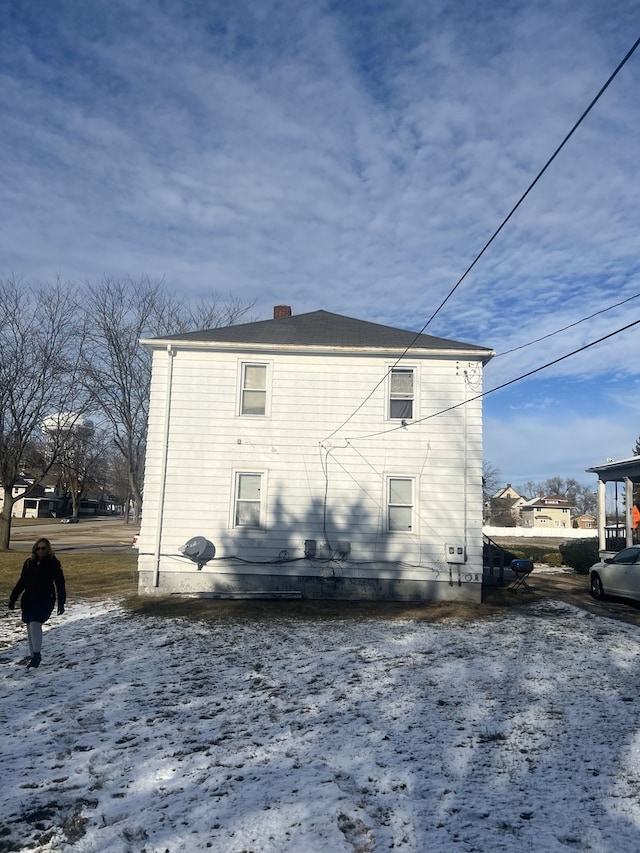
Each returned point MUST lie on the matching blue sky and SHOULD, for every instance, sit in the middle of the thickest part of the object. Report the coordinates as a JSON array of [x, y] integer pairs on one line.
[[353, 157]]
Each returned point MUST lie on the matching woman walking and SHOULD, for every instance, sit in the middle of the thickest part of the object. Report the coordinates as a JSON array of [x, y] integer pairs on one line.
[[40, 581]]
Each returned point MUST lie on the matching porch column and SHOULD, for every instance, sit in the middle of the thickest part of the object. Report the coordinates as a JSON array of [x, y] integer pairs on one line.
[[602, 514], [628, 510]]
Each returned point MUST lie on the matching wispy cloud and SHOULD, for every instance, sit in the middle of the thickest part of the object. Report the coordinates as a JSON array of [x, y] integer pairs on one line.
[[353, 157]]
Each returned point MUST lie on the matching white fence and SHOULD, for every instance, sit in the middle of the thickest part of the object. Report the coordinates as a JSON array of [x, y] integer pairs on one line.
[[535, 532]]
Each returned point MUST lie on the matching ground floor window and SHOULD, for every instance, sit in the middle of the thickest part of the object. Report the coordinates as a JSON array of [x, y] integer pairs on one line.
[[248, 500], [400, 504]]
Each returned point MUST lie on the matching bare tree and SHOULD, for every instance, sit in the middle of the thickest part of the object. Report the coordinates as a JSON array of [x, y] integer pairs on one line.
[[80, 465], [583, 498], [491, 479], [531, 489], [118, 370], [40, 342]]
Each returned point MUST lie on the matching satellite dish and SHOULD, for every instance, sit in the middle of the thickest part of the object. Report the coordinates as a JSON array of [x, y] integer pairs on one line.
[[199, 549]]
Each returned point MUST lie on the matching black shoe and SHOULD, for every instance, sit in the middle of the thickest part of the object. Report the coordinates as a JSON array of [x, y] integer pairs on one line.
[[35, 661]]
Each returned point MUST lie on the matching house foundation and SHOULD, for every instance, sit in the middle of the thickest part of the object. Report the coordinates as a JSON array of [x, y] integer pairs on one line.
[[338, 588]]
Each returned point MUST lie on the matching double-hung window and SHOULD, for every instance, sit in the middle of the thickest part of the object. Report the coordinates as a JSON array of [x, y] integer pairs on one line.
[[401, 393], [400, 504], [253, 389], [248, 500]]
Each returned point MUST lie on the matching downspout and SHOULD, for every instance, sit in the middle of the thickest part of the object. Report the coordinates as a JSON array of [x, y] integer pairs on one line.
[[466, 458], [163, 463], [466, 475]]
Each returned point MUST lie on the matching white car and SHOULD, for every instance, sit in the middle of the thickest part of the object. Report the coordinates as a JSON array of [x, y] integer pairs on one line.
[[618, 575]]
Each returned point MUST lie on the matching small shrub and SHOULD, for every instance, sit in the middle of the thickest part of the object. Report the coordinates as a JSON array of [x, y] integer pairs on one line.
[[580, 554], [537, 553], [552, 559]]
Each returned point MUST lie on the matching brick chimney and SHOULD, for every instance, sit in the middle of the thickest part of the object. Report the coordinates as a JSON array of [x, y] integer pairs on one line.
[[281, 311]]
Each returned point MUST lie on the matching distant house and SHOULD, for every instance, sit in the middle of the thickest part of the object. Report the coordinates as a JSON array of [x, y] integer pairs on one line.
[[43, 500], [586, 521], [320, 455], [510, 493], [503, 508], [546, 511]]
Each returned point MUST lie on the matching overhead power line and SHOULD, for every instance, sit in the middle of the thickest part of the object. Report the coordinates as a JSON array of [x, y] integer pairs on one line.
[[603, 89], [533, 183], [569, 326], [503, 385]]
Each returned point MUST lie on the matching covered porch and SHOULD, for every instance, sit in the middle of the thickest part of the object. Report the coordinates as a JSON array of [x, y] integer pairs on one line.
[[627, 471]]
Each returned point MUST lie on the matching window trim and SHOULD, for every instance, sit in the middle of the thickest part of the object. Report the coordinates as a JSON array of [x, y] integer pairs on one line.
[[242, 365], [405, 368], [237, 474], [411, 478]]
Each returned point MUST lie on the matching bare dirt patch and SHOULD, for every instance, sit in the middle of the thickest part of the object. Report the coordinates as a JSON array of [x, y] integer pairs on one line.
[[499, 601]]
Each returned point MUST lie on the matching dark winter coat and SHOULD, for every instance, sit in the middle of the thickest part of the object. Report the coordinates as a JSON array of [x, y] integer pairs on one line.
[[38, 583]]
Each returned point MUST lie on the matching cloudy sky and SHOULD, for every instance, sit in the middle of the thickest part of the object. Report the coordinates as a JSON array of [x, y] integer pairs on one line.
[[353, 157]]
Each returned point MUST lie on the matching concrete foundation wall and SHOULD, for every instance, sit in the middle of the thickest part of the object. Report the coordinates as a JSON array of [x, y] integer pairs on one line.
[[238, 585]]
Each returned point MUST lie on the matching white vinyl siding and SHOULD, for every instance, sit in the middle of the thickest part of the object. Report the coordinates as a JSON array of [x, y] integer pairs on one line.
[[248, 500], [401, 393], [253, 392], [308, 395], [400, 509]]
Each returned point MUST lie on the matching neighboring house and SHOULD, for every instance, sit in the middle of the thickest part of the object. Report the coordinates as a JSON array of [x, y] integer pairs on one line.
[[503, 508], [546, 511], [586, 521], [509, 492], [322, 456], [41, 501]]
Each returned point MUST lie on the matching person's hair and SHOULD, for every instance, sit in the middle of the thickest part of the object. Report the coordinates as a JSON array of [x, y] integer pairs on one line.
[[42, 541]]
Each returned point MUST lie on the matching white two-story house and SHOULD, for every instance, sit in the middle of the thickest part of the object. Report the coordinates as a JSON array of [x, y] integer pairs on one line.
[[313, 456]]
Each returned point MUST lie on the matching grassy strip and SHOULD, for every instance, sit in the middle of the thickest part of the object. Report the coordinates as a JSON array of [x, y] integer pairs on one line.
[[98, 575], [88, 574]]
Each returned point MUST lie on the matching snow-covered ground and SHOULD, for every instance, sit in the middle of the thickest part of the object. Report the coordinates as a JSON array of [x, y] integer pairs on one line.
[[146, 734]]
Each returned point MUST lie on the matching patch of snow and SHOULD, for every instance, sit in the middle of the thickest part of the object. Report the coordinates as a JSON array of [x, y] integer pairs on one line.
[[149, 734]]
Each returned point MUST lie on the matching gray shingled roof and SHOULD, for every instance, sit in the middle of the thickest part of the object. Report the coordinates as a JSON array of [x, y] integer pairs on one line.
[[322, 328]]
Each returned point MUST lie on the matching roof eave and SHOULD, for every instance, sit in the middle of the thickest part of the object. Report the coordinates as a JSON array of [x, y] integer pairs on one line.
[[476, 353]]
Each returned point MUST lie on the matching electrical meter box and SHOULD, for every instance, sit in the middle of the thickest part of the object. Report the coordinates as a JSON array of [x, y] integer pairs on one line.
[[454, 552]]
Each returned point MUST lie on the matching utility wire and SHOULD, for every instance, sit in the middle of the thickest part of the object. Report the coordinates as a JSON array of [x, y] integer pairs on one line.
[[603, 89], [503, 385], [570, 326], [586, 112]]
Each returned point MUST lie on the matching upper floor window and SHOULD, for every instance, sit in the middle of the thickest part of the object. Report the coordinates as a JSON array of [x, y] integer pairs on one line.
[[401, 393], [253, 390], [400, 502], [248, 500]]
